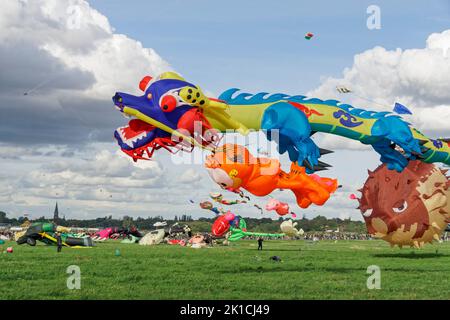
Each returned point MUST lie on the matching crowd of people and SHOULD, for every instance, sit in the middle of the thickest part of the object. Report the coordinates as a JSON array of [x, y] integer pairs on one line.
[[315, 236], [7, 234], [311, 236]]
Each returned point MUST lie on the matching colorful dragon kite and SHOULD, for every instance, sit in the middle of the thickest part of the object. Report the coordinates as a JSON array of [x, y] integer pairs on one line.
[[171, 107]]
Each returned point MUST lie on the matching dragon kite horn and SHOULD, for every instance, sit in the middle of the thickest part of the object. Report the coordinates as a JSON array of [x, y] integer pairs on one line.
[[144, 82]]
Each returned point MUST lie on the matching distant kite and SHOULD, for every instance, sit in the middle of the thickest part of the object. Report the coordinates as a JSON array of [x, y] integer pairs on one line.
[[401, 109], [259, 208], [343, 90], [308, 36], [39, 85]]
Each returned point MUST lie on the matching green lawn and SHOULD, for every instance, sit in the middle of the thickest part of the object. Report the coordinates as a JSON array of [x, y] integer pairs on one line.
[[323, 270]]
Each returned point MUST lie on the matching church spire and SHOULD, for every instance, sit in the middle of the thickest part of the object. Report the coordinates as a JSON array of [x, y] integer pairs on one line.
[[56, 213]]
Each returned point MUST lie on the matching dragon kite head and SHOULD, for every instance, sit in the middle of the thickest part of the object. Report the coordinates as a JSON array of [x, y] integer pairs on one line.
[[165, 116]]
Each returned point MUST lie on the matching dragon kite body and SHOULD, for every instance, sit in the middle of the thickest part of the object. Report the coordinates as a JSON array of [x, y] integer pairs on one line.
[[175, 114]]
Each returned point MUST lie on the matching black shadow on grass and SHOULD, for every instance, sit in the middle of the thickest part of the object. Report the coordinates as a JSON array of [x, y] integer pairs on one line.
[[293, 249], [411, 255], [280, 268]]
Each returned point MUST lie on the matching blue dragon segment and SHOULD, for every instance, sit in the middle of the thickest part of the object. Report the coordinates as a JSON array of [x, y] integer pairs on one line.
[[293, 134], [166, 114]]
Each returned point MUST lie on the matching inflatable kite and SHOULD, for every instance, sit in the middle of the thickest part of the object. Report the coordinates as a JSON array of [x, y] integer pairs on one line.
[[160, 224], [401, 109], [46, 233], [116, 232], [288, 228], [131, 239], [174, 114], [239, 231], [153, 237], [233, 167], [281, 208], [237, 228], [259, 208], [218, 197], [223, 223], [180, 242], [200, 240], [209, 206], [308, 36], [178, 230], [411, 208], [197, 239]]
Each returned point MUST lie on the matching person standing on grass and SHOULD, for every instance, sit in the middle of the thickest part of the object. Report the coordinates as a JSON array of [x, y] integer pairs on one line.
[[260, 242], [59, 242]]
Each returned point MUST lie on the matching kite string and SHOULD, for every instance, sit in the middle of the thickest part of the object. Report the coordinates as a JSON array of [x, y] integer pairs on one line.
[[367, 99], [41, 84]]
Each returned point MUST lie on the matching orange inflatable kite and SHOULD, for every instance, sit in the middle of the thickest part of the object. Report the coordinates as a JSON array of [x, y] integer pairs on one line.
[[233, 167]]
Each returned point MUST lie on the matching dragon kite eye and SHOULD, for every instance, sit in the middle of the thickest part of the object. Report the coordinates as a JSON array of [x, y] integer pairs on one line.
[[168, 103]]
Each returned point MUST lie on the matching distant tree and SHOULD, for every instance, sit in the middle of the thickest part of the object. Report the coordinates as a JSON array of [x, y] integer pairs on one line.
[[3, 218], [127, 221]]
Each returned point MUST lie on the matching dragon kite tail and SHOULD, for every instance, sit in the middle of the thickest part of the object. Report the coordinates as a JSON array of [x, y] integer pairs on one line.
[[433, 150], [307, 189]]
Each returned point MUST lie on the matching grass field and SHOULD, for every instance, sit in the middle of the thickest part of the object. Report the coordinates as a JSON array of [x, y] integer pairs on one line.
[[323, 270]]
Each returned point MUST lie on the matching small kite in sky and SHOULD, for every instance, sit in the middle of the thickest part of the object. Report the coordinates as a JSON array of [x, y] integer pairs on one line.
[[259, 208], [341, 89], [401, 109]]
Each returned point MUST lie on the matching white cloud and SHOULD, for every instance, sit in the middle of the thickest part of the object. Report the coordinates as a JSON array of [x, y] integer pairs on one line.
[[115, 60], [70, 72], [334, 142], [104, 170], [190, 176]]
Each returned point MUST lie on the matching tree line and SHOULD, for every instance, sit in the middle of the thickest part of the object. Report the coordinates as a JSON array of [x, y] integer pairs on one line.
[[266, 225]]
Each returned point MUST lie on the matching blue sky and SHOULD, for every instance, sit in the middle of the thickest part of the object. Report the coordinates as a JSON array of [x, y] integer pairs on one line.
[[259, 45]]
